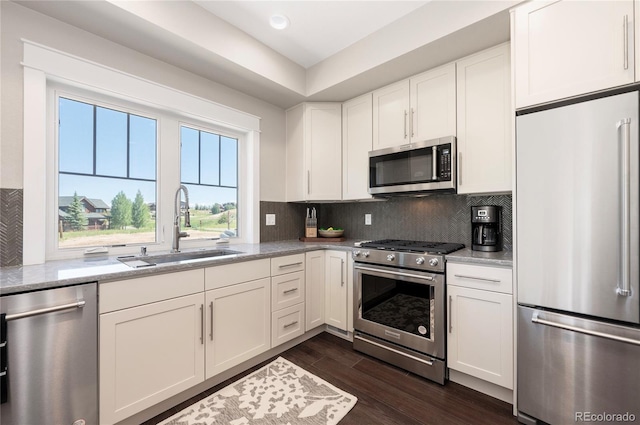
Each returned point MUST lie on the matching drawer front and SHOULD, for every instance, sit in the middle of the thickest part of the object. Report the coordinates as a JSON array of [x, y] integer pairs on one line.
[[230, 274], [287, 264], [287, 324], [287, 290], [121, 294], [487, 278]]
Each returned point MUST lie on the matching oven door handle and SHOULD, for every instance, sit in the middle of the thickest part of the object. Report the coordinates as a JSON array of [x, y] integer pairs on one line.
[[415, 276]]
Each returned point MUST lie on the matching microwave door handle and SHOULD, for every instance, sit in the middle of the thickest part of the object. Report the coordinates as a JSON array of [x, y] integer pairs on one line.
[[434, 163]]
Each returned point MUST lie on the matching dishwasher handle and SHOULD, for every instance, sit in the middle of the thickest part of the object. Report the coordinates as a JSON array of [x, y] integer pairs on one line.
[[78, 304]]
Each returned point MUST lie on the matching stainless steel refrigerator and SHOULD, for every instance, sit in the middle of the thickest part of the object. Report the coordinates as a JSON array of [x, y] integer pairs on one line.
[[577, 261]]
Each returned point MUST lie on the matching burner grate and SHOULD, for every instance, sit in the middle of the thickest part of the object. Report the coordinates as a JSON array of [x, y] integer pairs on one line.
[[413, 246]]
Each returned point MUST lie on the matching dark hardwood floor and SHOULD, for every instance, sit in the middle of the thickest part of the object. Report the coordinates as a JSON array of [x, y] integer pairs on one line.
[[386, 395]]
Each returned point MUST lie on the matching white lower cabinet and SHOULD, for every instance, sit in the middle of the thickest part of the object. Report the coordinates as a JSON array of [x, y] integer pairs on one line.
[[288, 298], [287, 324], [315, 289], [336, 295], [148, 354], [480, 322], [238, 324]]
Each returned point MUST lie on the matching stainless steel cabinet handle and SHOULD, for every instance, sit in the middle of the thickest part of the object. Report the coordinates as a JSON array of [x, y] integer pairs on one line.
[[395, 273], [211, 333], [341, 272], [32, 313], [535, 319], [308, 182], [434, 162], [288, 291], [485, 279], [394, 350], [288, 325], [201, 323], [625, 35], [624, 127], [405, 123], [412, 121], [459, 168], [284, 266], [450, 307]]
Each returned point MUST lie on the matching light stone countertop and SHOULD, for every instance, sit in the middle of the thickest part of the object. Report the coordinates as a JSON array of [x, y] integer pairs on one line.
[[466, 255], [59, 273], [55, 274]]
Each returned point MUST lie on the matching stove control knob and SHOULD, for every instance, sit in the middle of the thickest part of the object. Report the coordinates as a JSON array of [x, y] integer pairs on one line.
[[420, 261], [433, 262], [391, 257], [366, 254], [356, 253]]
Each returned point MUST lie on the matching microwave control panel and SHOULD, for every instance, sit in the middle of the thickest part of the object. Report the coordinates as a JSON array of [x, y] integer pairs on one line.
[[444, 170]]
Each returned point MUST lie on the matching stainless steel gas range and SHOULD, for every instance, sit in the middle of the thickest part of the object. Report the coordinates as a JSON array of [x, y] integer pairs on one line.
[[399, 304]]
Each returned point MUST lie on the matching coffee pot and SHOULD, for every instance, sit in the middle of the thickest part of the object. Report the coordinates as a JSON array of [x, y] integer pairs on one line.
[[486, 228]]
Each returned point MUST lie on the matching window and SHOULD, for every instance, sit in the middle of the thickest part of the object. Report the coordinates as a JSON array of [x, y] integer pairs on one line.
[[116, 118], [209, 170], [106, 176]]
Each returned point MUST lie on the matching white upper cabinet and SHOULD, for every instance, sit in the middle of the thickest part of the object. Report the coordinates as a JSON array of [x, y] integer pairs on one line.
[[416, 109], [357, 141], [568, 48], [314, 152], [433, 104], [484, 121], [390, 115]]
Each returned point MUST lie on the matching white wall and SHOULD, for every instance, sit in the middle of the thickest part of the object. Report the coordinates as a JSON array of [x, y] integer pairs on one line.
[[18, 22]]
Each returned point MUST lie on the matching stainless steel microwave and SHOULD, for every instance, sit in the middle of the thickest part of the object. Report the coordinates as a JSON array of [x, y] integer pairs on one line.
[[414, 169]]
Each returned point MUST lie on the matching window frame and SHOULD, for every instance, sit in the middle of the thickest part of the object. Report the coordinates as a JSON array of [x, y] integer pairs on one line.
[[46, 68]]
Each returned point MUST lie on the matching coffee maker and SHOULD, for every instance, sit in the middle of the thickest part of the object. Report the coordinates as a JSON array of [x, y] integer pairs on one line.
[[486, 228]]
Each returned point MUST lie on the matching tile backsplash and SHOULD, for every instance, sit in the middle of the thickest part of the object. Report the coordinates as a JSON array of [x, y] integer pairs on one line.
[[11, 227], [444, 218]]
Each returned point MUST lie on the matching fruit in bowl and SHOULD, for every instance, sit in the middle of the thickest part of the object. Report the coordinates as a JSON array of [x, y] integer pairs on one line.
[[331, 232]]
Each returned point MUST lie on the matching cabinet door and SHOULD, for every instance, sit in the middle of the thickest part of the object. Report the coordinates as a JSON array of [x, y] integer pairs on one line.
[[336, 289], [567, 48], [148, 354], [391, 115], [357, 141], [433, 104], [480, 334], [323, 151], [238, 324], [315, 289], [484, 121]]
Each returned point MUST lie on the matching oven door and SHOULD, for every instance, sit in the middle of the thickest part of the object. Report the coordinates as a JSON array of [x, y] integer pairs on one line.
[[401, 306]]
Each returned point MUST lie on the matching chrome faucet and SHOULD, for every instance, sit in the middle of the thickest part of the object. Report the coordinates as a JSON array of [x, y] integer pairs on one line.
[[177, 234]]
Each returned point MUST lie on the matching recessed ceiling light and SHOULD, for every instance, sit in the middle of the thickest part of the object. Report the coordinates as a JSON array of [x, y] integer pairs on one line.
[[279, 22]]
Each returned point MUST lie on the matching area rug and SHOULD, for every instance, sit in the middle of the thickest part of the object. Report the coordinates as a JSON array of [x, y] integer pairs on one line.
[[280, 393]]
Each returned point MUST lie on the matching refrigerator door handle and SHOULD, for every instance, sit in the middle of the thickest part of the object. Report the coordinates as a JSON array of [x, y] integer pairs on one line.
[[624, 130], [536, 319]]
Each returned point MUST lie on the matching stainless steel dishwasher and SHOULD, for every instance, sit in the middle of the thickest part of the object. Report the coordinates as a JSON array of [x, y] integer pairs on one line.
[[49, 357]]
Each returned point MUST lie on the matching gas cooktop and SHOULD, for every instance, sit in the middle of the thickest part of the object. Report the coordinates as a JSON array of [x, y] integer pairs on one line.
[[413, 246]]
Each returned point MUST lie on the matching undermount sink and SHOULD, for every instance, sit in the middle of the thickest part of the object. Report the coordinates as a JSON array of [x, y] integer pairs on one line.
[[178, 257]]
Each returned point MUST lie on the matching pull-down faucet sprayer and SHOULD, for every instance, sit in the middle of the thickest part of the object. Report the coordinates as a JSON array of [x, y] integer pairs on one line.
[[177, 233]]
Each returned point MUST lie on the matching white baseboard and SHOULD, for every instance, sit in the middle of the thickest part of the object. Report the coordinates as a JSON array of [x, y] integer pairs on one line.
[[484, 387]]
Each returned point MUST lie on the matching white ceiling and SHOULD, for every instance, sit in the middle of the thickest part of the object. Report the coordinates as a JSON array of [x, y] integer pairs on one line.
[[334, 50], [318, 29]]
